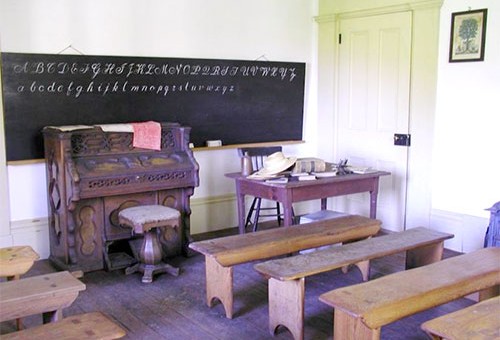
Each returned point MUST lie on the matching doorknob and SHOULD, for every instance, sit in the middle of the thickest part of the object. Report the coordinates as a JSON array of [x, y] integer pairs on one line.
[[402, 139]]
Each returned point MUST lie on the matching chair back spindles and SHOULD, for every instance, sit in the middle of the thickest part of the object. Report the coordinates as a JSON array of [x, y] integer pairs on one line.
[[258, 156]]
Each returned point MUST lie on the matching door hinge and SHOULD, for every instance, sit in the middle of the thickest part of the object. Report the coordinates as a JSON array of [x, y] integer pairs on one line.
[[340, 38], [403, 139]]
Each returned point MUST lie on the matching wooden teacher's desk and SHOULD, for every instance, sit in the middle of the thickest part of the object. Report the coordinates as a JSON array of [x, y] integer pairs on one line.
[[297, 191]]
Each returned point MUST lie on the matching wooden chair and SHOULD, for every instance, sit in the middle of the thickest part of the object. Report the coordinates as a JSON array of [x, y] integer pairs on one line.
[[258, 156]]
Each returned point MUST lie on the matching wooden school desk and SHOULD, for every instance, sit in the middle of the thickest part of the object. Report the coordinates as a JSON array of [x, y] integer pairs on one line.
[[296, 191]]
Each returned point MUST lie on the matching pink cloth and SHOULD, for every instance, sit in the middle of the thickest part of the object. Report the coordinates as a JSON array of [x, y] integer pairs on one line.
[[147, 135]]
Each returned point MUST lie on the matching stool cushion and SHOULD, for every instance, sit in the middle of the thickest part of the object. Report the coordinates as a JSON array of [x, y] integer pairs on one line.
[[145, 217]]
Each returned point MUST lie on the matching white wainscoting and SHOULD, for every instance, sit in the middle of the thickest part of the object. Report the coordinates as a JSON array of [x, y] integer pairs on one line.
[[213, 213], [33, 232], [208, 214], [469, 230], [219, 212]]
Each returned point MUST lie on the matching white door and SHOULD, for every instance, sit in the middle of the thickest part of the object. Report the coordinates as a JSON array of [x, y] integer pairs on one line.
[[373, 106]]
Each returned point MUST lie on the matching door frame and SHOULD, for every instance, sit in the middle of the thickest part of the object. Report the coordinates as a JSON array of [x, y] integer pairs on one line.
[[423, 84]]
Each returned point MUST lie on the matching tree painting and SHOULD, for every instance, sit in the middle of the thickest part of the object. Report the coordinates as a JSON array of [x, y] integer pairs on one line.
[[467, 32]]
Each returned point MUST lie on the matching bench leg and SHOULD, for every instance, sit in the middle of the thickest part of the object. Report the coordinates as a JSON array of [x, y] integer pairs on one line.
[[219, 284], [19, 322], [489, 293], [364, 268], [286, 306], [349, 327], [53, 316], [424, 255]]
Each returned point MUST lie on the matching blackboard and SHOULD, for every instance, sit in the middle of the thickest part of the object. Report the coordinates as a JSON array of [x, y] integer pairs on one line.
[[235, 101]]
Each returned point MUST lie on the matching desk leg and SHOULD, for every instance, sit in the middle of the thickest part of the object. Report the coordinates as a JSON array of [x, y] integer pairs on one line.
[[373, 199], [288, 219], [288, 210], [373, 204], [323, 203], [240, 200]]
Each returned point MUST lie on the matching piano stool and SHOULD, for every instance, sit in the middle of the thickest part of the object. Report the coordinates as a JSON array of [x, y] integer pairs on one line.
[[146, 219], [14, 262]]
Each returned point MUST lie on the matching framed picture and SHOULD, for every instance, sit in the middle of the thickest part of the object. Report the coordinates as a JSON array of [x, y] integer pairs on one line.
[[468, 34]]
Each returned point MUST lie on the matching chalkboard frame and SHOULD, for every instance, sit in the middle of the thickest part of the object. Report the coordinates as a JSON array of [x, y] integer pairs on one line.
[[239, 102]]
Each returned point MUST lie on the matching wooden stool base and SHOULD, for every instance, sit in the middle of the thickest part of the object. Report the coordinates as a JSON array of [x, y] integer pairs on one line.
[[147, 220], [150, 259], [151, 269]]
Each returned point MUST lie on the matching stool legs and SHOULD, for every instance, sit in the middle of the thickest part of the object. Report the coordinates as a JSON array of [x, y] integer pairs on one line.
[[151, 259]]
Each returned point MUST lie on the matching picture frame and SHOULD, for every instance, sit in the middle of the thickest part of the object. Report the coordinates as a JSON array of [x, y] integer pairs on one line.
[[468, 35]]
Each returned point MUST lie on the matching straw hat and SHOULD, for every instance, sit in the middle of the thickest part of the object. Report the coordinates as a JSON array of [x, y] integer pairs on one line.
[[276, 163]]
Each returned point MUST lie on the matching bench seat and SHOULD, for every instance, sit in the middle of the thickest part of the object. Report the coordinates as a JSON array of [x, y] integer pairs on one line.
[[362, 309], [287, 276], [44, 294], [16, 261], [480, 321], [88, 326], [221, 254]]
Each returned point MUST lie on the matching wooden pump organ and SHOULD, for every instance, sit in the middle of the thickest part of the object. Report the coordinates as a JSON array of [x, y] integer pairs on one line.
[[92, 175]]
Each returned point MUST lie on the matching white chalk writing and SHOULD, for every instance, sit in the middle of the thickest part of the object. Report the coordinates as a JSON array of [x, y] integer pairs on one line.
[[129, 69], [74, 89]]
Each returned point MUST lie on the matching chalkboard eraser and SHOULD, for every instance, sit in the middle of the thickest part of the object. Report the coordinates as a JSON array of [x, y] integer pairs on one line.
[[212, 143]]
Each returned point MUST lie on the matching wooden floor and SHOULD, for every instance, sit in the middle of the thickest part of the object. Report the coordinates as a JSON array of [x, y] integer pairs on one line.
[[174, 307]]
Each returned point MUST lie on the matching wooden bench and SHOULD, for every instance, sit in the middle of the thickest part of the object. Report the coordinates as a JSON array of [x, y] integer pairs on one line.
[[362, 309], [44, 294], [480, 321], [14, 262], [287, 276], [89, 326], [221, 254]]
